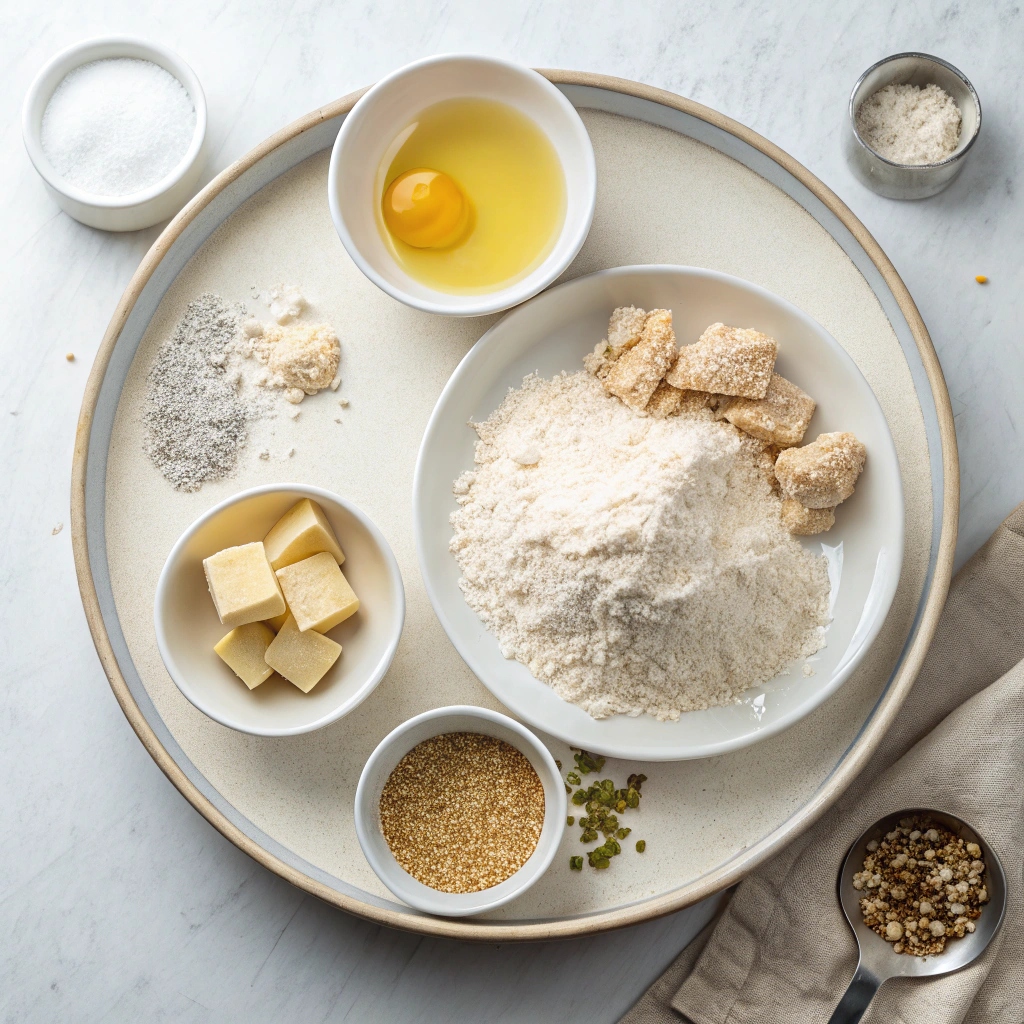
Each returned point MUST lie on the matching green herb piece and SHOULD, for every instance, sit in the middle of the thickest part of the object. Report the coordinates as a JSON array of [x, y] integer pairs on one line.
[[570, 820], [568, 788], [573, 778], [587, 762], [588, 836], [558, 764], [575, 863], [622, 833], [579, 798], [641, 845]]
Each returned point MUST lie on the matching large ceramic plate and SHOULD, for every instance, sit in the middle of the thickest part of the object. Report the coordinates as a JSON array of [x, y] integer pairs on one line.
[[677, 184], [552, 333]]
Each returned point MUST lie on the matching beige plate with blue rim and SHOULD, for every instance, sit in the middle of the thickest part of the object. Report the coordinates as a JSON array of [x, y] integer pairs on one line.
[[678, 184]]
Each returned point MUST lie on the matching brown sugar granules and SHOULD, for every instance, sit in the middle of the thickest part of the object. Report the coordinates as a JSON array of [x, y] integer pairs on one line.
[[924, 885], [462, 812]]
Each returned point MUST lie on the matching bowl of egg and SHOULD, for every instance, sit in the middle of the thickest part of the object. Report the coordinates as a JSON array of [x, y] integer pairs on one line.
[[462, 185]]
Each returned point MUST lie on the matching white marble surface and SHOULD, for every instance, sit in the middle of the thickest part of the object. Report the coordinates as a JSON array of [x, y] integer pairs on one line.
[[117, 901]]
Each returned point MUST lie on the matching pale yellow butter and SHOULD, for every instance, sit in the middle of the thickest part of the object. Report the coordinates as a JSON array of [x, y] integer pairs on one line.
[[277, 621], [242, 584], [243, 650], [317, 592], [303, 658], [302, 531]]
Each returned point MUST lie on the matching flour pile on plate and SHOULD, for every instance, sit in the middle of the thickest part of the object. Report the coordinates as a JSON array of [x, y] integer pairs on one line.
[[635, 564]]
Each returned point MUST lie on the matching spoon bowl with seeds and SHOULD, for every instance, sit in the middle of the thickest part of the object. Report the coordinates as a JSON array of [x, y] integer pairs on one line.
[[892, 838]]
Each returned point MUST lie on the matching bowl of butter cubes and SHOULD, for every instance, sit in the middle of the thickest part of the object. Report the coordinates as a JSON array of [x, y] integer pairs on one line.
[[279, 610]]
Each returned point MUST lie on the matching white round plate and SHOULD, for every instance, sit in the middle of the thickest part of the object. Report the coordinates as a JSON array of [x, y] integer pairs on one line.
[[552, 333]]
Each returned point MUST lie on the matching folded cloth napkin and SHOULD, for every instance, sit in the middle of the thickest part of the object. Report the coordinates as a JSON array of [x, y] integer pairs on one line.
[[782, 951]]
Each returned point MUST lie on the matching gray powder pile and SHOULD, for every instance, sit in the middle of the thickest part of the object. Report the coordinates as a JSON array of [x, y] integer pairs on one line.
[[910, 125], [194, 416], [633, 564]]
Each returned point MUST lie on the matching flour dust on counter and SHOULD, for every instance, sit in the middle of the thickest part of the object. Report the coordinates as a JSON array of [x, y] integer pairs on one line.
[[220, 371]]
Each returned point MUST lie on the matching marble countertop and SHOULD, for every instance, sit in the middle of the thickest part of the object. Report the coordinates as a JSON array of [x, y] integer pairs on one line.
[[118, 902]]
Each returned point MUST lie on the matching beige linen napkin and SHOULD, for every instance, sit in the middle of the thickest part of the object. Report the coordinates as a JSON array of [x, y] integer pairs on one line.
[[781, 950]]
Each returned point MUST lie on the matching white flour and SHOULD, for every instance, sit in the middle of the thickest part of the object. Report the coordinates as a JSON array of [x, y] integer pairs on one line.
[[910, 125], [635, 565]]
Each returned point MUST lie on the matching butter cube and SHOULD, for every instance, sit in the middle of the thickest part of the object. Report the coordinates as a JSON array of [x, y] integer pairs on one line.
[[277, 621], [302, 658], [302, 531], [317, 592], [243, 650], [242, 584]]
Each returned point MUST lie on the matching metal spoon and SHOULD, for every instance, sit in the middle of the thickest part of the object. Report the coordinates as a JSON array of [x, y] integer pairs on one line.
[[877, 961]]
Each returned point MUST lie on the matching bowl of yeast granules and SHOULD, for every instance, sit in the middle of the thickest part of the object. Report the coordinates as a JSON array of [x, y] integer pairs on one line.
[[460, 810], [913, 120]]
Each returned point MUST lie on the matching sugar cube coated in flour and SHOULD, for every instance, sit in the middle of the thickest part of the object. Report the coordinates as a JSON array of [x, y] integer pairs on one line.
[[822, 473], [303, 658], [780, 418], [318, 595], [243, 650], [302, 531], [726, 361], [635, 375], [666, 401], [243, 585], [805, 522]]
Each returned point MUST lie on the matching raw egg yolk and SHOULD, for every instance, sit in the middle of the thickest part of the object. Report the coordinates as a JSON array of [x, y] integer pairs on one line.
[[426, 209]]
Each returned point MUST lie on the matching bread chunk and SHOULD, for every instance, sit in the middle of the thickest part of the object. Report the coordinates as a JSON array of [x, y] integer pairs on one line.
[[822, 473], [625, 326], [780, 418], [635, 375], [805, 522], [734, 361]]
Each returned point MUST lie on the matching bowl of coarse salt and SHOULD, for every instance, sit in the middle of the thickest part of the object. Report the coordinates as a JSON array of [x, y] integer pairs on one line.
[[913, 120], [115, 127]]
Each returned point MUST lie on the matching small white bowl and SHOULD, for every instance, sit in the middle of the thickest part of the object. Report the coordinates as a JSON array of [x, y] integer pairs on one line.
[[381, 764], [187, 625], [115, 213], [354, 185]]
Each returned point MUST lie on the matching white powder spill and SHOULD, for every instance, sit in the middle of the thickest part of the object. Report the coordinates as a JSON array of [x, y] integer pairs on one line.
[[115, 127], [909, 124], [635, 565]]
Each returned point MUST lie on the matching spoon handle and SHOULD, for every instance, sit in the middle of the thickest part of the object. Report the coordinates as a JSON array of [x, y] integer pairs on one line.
[[856, 998]]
